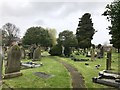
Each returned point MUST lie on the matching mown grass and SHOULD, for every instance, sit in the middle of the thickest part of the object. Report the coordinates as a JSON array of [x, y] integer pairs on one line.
[[89, 71], [61, 77]]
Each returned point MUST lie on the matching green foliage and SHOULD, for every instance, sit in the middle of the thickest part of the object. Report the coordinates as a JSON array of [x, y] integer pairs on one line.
[[67, 51], [85, 31], [113, 15], [56, 50], [67, 39], [37, 35], [52, 33]]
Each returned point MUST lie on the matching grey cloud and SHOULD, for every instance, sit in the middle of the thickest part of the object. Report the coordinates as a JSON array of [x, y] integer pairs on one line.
[[48, 8], [70, 8], [40, 22]]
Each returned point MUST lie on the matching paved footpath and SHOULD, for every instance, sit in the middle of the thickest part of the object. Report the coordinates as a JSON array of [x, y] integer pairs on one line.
[[77, 78]]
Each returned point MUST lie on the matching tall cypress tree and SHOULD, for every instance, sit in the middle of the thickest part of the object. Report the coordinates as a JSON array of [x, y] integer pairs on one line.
[[85, 31]]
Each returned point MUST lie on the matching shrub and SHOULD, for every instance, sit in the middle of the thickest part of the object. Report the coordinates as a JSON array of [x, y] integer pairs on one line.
[[56, 50], [67, 51]]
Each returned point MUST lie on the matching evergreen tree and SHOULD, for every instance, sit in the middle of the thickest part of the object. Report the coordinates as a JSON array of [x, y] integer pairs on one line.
[[113, 15], [85, 31]]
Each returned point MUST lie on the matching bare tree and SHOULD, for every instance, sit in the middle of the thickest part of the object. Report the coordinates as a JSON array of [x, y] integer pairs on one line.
[[9, 33]]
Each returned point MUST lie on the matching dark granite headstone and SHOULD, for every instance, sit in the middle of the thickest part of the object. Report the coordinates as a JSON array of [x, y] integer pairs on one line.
[[108, 61]]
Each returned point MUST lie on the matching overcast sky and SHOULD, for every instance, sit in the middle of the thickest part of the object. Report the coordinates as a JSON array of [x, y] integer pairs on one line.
[[58, 14]]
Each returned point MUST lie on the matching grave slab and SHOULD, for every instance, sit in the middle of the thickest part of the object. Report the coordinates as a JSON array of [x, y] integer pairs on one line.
[[43, 75]]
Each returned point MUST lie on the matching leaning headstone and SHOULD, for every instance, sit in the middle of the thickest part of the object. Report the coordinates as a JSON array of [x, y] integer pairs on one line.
[[108, 61], [12, 68], [37, 54]]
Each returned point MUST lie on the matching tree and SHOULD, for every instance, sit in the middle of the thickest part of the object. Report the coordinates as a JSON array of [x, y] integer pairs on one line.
[[56, 50], [67, 39], [37, 35], [113, 15], [9, 33], [85, 31], [52, 33]]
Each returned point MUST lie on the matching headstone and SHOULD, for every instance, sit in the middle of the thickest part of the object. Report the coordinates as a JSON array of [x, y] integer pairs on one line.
[[23, 54], [102, 52], [98, 53], [92, 54], [13, 62], [88, 54], [108, 61], [37, 54], [32, 48]]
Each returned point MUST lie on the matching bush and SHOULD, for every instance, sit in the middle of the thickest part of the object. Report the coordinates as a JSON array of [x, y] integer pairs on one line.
[[56, 50], [67, 51]]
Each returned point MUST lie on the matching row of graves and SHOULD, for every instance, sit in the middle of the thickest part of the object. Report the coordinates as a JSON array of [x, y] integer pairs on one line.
[[92, 52], [107, 76], [13, 56]]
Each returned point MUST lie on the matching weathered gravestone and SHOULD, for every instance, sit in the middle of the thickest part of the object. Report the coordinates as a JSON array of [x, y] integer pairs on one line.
[[101, 52], [23, 54], [12, 68], [37, 54], [92, 54], [108, 61], [32, 48]]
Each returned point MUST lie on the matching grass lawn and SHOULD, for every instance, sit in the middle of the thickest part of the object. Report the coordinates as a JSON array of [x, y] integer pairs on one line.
[[90, 71], [61, 77]]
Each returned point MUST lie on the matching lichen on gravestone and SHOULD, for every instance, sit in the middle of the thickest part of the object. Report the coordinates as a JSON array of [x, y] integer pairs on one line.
[[37, 54], [13, 61], [23, 54]]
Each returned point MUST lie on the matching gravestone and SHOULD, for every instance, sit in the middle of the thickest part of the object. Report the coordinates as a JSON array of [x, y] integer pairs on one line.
[[23, 54], [12, 69], [37, 54], [32, 48], [92, 54], [108, 61], [102, 52], [98, 53]]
